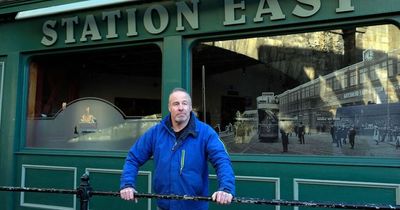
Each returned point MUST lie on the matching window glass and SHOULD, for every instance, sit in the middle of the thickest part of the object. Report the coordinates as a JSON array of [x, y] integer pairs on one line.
[[333, 92], [101, 100], [345, 81], [336, 84], [353, 78], [363, 75]]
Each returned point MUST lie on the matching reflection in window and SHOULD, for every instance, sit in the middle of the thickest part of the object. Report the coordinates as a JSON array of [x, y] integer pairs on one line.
[[321, 87], [93, 100]]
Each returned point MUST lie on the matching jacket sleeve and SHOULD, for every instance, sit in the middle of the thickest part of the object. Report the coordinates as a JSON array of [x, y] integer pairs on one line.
[[221, 162], [138, 154]]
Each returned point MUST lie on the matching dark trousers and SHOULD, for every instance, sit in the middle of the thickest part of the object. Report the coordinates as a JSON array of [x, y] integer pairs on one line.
[[301, 138], [351, 140], [285, 142]]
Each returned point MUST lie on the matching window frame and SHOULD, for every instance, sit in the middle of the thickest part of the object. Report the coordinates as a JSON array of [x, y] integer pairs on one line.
[[26, 59]]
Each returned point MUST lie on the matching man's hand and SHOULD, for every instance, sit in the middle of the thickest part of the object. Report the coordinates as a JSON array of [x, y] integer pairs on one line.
[[222, 197], [128, 194]]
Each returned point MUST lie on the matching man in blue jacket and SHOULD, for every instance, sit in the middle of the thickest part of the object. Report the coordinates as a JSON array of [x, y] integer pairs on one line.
[[181, 147]]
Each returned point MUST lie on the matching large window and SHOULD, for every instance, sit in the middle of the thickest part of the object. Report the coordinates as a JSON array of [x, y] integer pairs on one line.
[[100, 99], [260, 89]]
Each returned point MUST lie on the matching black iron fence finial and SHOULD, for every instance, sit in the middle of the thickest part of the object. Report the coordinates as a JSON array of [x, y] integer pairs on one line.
[[83, 192]]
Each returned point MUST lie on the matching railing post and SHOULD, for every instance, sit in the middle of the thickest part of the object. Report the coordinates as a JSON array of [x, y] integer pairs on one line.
[[84, 191]]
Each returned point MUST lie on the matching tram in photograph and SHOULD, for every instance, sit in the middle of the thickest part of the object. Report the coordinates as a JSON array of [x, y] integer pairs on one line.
[[268, 122], [304, 95]]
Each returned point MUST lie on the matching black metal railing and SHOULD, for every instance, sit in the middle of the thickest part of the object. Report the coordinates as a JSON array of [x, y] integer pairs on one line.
[[84, 192]]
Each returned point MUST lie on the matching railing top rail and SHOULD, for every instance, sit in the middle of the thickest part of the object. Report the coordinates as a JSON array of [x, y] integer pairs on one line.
[[87, 189]]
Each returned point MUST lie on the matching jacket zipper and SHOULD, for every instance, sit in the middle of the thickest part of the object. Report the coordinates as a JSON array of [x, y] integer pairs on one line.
[[182, 161]]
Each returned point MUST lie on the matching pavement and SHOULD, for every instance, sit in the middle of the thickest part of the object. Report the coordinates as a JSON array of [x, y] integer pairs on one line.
[[315, 144]]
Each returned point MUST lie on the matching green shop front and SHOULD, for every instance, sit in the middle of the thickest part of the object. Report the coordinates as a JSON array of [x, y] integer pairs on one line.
[[80, 81]]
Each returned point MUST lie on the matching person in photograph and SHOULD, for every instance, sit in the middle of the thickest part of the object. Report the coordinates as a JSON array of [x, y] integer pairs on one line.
[[285, 139], [340, 136], [352, 136], [301, 132], [376, 134], [333, 130]]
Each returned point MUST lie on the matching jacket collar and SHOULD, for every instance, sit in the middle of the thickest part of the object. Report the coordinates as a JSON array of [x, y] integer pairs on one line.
[[190, 128]]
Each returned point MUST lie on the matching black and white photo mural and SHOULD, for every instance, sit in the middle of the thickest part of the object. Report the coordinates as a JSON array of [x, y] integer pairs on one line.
[[332, 92]]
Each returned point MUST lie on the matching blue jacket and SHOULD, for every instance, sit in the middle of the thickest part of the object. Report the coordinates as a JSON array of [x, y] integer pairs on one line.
[[180, 165]]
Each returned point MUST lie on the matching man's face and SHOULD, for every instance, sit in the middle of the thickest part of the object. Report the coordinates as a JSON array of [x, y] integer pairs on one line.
[[180, 106]]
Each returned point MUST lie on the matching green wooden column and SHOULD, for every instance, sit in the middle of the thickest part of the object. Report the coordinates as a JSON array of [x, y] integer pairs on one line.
[[175, 67], [9, 121]]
